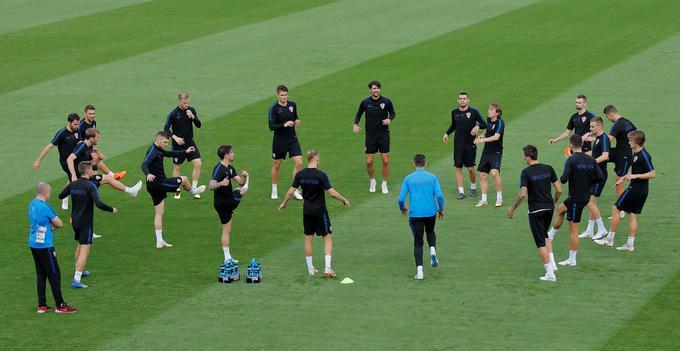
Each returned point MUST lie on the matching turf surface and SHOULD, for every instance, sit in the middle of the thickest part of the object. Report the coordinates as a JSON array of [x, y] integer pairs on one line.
[[485, 295]]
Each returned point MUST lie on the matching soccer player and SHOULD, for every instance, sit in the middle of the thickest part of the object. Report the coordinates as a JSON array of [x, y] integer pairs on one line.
[[581, 172], [535, 181], [579, 123], [179, 125], [86, 151], [379, 115], [315, 215], [84, 195], [227, 199], [492, 154], [43, 221], [427, 202], [633, 199], [600, 152], [158, 185], [622, 152], [283, 117], [88, 122], [466, 122], [65, 140]]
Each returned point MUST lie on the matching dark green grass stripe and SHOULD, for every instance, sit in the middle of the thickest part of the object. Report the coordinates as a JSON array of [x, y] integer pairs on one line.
[[655, 327], [46, 52]]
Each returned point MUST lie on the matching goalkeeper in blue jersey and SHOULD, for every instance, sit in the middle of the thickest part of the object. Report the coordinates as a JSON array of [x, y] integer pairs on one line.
[[426, 202]]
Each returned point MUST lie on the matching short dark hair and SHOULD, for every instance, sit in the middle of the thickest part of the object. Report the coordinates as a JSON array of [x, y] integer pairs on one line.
[[463, 93], [84, 166], [575, 140], [89, 107], [280, 88], [162, 134], [610, 109], [497, 107], [637, 136], [419, 160], [223, 150], [374, 82], [582, 97], [91, 133], [531, 152], [73, 117], [597, 119], [182, 95]]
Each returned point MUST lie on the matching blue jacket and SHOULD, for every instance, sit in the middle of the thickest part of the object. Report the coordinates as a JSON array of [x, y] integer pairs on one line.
[[423, 187]]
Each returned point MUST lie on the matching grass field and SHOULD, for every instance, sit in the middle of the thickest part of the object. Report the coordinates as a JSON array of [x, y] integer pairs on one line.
[[130, 59]]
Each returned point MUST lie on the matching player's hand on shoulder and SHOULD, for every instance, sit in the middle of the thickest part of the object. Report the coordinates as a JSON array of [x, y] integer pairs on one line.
[[445, 139], [356, 129], [150, 177]]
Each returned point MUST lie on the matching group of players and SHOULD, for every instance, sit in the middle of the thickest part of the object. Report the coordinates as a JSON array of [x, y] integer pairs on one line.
[[585, 171]]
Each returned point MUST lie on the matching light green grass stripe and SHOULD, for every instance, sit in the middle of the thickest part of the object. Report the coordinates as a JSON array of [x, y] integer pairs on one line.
[[460, 301], [22, 14], [223, 72]]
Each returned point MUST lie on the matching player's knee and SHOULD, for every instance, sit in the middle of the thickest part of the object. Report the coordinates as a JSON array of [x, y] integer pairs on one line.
[[484, 176], [198, 163]]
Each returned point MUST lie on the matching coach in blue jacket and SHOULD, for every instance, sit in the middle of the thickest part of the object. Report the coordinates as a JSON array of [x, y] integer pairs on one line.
[[426, 201]]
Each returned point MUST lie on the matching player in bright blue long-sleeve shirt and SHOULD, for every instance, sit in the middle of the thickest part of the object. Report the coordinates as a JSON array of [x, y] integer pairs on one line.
[[426, 200]]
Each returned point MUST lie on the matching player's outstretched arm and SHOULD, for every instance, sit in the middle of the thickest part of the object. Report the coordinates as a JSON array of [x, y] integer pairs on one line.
[[336, 195], [518, 200], [286, 198], [65, 192], [564, 135], [42, 155], [97, 201]]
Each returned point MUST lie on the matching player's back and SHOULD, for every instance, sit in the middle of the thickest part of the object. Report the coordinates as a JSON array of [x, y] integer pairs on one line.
[[583, 173], [314, 183]]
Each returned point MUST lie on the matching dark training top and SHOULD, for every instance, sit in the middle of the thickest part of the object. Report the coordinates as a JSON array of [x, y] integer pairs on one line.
[[538, 180], [65, 141], [83, 126], [620, 131], [278, 116], [600, 146], [181, 124], [221, 172], [581, 171], [642, 163], [376, 111], [462, 123], [84, 195], [580, 124], [313, 182], [83, 153], [153, 161], [493, 128]]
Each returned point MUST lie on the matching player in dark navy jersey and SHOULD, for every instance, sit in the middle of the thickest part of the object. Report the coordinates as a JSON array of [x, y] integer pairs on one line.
[[621, 153], [633, 198], [158, 185], [536, 181], [379, 115], [466, 121], [65, 140], [581, 172], [492, 154], [226, 198], [600, 152], [84, 195], [314, 184], [179, 125], [283, 118], [88, 122], [579, 124]]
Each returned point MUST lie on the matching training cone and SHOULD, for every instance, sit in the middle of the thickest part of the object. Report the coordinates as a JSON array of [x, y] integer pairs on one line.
[[347, 280]]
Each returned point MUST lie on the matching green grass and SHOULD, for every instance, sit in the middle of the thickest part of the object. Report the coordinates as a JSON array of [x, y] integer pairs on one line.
[[485, 295]]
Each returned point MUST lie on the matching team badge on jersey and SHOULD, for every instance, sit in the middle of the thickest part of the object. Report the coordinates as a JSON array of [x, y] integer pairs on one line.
[[290, 108], [597, 141], [583, 119], [493, 126], [176, 159], [382, 106], [635, 159], [468, 114], [76, 135]]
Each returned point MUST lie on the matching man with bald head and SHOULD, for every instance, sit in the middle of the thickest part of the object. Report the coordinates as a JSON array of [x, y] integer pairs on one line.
[[43, 221]]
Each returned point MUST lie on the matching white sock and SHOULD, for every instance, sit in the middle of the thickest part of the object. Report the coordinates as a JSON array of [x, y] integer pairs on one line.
[[275, 189], [194, 191], [328, 261], [600, 224], [194, 183], [548, 269], [245, 187], [591, 226], [77, 276], [64, 202], [461, 190], [110, 174], [433, 251], [499, 196], [631, 240], [384, 182], [484, 197], [551, 233], [473, 186], [572, 255], [419, 269], [310, 265], [552, 259], [128, 190], [227, 255], [159, 235], [610, 236], [373, 181]]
